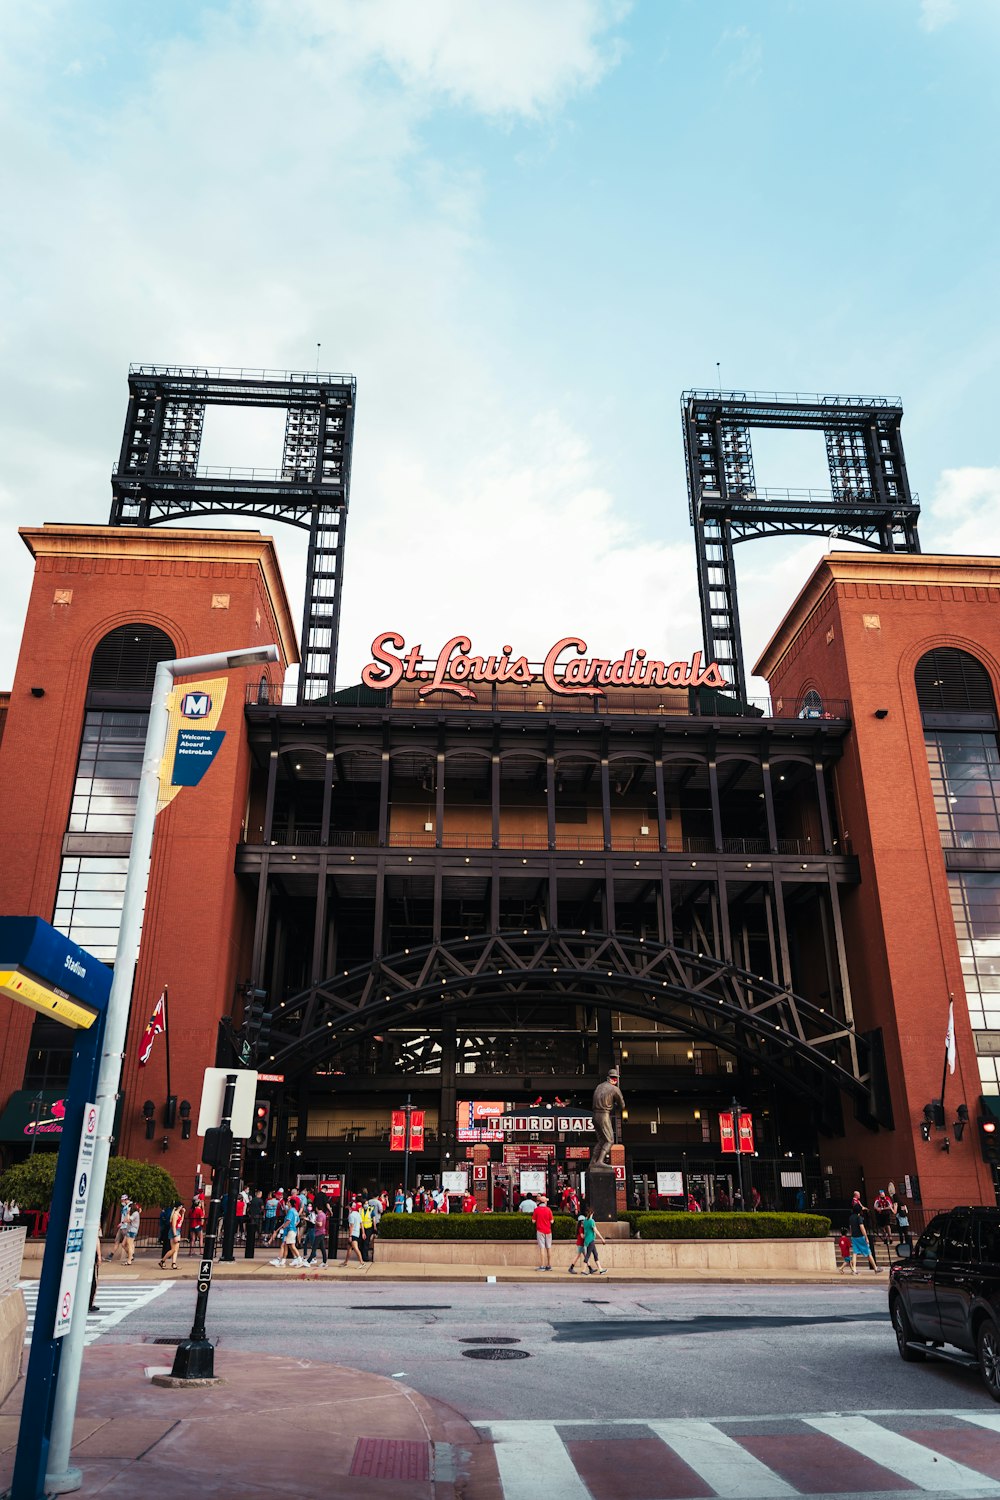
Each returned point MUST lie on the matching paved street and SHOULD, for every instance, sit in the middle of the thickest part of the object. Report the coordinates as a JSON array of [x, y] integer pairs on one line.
[[636, 1392]]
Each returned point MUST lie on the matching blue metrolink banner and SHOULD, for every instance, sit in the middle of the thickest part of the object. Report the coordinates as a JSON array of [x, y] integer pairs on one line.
[[196, 750]]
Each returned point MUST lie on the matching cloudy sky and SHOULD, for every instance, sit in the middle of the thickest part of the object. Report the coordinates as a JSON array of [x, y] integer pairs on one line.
[[525, 226]]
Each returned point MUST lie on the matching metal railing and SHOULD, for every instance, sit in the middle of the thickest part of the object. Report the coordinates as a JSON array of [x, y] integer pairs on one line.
[[237, 372], [798, 398], [700, 703], [310, 836]]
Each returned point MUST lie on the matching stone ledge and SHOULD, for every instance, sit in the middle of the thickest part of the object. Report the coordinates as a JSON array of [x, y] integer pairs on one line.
[[773, 1256]]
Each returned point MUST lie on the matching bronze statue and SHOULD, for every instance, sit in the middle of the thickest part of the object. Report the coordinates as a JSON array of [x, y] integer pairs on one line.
[[607, 1098]]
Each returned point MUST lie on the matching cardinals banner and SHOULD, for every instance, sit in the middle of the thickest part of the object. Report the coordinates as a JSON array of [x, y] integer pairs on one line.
[[155, 1026], [728, 1134], [397, 1131], [417, 1130]]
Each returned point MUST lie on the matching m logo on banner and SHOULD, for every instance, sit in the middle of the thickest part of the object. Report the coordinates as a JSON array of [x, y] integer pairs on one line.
[[196, 705]]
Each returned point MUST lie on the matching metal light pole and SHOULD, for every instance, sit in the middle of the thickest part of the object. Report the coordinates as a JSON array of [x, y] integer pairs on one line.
[[60, 1477], [739, 1154], [408, 1107]]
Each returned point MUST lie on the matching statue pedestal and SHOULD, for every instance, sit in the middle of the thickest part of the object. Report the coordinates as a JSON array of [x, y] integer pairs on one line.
[[602, 1193]]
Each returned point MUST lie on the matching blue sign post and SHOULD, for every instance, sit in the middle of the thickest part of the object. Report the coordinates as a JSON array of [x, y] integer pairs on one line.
[[48, 972]]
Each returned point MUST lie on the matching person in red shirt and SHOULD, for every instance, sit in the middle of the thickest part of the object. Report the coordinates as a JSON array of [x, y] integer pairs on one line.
[[196, 1223], [542, 1220]]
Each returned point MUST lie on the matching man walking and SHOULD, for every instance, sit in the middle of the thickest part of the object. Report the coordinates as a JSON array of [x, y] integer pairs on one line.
[[354, 1235], [322, 1219]]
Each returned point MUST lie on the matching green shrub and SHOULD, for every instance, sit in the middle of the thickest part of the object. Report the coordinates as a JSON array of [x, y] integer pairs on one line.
[[31, 1182], [759, 1226], [470, 1227]]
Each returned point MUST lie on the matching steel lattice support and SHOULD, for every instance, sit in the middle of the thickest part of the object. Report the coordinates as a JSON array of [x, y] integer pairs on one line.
[[158, 476], [869, 500], [774, 1029]]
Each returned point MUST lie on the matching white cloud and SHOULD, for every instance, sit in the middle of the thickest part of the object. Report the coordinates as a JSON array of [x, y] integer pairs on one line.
[[937, 13], [519, 57], [964, 515], [523, 545], [237, 195]]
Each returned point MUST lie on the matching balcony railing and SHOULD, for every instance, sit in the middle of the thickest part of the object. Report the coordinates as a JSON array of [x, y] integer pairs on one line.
[[701, 704], [305, 836]]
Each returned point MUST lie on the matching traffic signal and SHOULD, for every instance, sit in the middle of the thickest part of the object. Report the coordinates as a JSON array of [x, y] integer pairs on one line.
[[989, 1139], [149, 1115], [253, 1012], [218, 1146], [170, 1112], [264, 1034], [962, 1119], [261, 1124]]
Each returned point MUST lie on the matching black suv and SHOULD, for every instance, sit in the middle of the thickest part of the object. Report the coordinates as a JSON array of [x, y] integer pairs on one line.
[[948, 1293]]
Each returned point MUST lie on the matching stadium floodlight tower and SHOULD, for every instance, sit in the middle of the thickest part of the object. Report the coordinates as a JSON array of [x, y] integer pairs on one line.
[[869, 499], [158, 476]]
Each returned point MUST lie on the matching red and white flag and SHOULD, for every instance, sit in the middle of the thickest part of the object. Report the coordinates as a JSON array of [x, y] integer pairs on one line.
[[949, 1040], [156, 1026]]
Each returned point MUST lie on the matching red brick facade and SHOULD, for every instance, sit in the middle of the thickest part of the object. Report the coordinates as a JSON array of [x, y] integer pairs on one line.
[[209, 591], [857, 631]]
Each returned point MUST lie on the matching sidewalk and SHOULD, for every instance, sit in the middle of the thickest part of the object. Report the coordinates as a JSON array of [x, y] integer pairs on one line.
[[277, 1426], [145, 1268]]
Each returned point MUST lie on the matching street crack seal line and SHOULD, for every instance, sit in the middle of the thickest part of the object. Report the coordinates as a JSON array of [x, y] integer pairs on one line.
[[642, 1328]]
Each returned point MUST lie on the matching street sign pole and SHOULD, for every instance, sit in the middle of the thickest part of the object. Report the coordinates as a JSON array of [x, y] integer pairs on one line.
[[61, 1477], [48, 1351], [195, 1358]]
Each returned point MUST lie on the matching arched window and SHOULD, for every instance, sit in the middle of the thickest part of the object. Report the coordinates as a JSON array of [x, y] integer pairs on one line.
[[960, 731], [125, 661], [99, 829]]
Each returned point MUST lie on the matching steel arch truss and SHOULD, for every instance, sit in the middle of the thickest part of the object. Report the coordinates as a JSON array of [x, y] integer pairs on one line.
[[770, 1027]]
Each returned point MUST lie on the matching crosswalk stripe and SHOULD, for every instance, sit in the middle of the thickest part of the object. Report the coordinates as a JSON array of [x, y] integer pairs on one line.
[[902, 1456], [720, 1461], [116, 1304], [532, 1462], [988, 1419]]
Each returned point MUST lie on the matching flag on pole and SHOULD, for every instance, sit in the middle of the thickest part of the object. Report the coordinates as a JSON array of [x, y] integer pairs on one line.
[[156, 1026], [949, 1041]]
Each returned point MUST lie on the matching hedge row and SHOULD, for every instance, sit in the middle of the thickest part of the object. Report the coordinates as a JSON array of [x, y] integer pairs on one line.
[[669, 1226], [706, 1226], [470, 1227]]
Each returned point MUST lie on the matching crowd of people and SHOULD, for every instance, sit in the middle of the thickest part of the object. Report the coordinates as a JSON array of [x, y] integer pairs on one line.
[[856, 1244]]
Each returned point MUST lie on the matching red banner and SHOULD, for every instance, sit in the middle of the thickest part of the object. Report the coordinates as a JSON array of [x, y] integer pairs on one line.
[[727, 1135], [417, 1130], [397, 1131]]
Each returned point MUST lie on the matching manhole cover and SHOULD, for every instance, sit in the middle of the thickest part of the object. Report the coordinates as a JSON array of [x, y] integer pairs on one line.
[[173, 1339], [495, 1354], [490, 1339]]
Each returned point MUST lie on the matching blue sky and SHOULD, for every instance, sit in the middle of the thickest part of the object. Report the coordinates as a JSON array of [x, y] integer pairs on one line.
[[525, 227]]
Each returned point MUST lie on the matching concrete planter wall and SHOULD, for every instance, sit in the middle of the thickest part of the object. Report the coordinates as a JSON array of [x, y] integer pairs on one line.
[[13, 1314], [776, 1256]]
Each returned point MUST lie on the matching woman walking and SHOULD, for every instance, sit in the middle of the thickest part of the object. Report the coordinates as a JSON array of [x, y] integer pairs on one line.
[[174, 1235], [591, 1234]]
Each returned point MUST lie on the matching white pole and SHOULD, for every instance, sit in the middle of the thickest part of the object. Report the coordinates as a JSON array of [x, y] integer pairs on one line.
[[61, 1477]]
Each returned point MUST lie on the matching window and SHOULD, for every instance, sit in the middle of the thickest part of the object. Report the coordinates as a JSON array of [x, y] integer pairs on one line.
[[107, 773], [89, 903], [975, 905], [965, 778], [989, 1240], [956, 1244], [929, 1244]]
